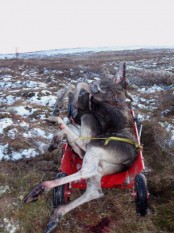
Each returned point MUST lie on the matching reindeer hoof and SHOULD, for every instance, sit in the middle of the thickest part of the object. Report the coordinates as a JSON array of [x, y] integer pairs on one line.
[[51, 227], [35, 193]]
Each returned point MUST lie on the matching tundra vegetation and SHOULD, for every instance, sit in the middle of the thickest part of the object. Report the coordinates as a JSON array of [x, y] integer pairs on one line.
[[28, 89]]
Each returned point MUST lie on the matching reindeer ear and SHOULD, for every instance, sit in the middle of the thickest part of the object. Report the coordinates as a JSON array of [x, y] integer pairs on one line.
[[120, 76], [120, 73]]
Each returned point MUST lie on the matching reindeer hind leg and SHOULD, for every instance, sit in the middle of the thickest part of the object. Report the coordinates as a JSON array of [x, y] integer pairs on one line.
[[92, 192]]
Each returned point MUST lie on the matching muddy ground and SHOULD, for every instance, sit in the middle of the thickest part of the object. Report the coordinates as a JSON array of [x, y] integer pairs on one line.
[[151, 75]]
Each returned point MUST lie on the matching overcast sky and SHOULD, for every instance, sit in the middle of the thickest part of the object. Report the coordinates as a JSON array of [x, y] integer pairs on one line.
[[32, 25]]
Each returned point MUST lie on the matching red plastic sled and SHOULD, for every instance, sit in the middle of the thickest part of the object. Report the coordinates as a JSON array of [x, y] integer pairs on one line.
[[131, 179]]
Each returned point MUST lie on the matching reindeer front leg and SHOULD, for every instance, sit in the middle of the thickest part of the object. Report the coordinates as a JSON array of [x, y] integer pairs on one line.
[[57, 138], [62, 96], [73, 138], [46, 186]]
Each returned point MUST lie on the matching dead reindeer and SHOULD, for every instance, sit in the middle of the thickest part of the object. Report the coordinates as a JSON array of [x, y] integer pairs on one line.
[[71, 93], [107, 90], [87, 118], [113, 150]]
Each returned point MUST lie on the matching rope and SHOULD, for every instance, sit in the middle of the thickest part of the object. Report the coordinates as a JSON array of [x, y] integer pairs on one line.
[[107, 140]]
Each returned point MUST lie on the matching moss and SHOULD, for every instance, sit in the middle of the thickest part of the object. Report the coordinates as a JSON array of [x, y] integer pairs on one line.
[[4, 115], [28, 216], [165, 216], [40, 112], [19, 144], [2, 178]]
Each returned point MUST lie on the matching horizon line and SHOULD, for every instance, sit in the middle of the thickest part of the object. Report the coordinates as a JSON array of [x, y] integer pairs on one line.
[[93, 48]]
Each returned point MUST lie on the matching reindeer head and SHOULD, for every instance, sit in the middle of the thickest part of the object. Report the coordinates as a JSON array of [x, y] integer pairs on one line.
[[111, 90], [54, 143]]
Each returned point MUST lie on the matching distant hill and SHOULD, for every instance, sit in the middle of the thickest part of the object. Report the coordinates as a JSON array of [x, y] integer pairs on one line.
[[60, 52]]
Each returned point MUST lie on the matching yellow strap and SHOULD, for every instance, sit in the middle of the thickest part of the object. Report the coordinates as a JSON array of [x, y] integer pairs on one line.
[[130, 141], [107, 140]]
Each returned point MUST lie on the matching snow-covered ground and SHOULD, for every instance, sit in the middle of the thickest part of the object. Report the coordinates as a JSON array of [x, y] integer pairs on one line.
[[27, 97]]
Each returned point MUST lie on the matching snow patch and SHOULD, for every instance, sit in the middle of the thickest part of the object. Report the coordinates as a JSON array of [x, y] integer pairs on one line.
[[9, 99], [43, 100], [17, 155], [34, 133], [3, 151], [24, 110], [142, 117], [4, 189], [22, 84], [24, 125], [169, 128], [42, 147], [9, 227], [4, 123], [149, 90], [12, 133]]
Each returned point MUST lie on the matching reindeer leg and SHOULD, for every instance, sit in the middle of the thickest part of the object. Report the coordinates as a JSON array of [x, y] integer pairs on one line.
[[75, 147], [89, 128], [89, 169], [92, 192], [57, 138], [72, 137], [62, 94], [79, 87]]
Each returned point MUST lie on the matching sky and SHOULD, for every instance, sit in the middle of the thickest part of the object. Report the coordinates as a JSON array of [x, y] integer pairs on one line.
[[34, 25]]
